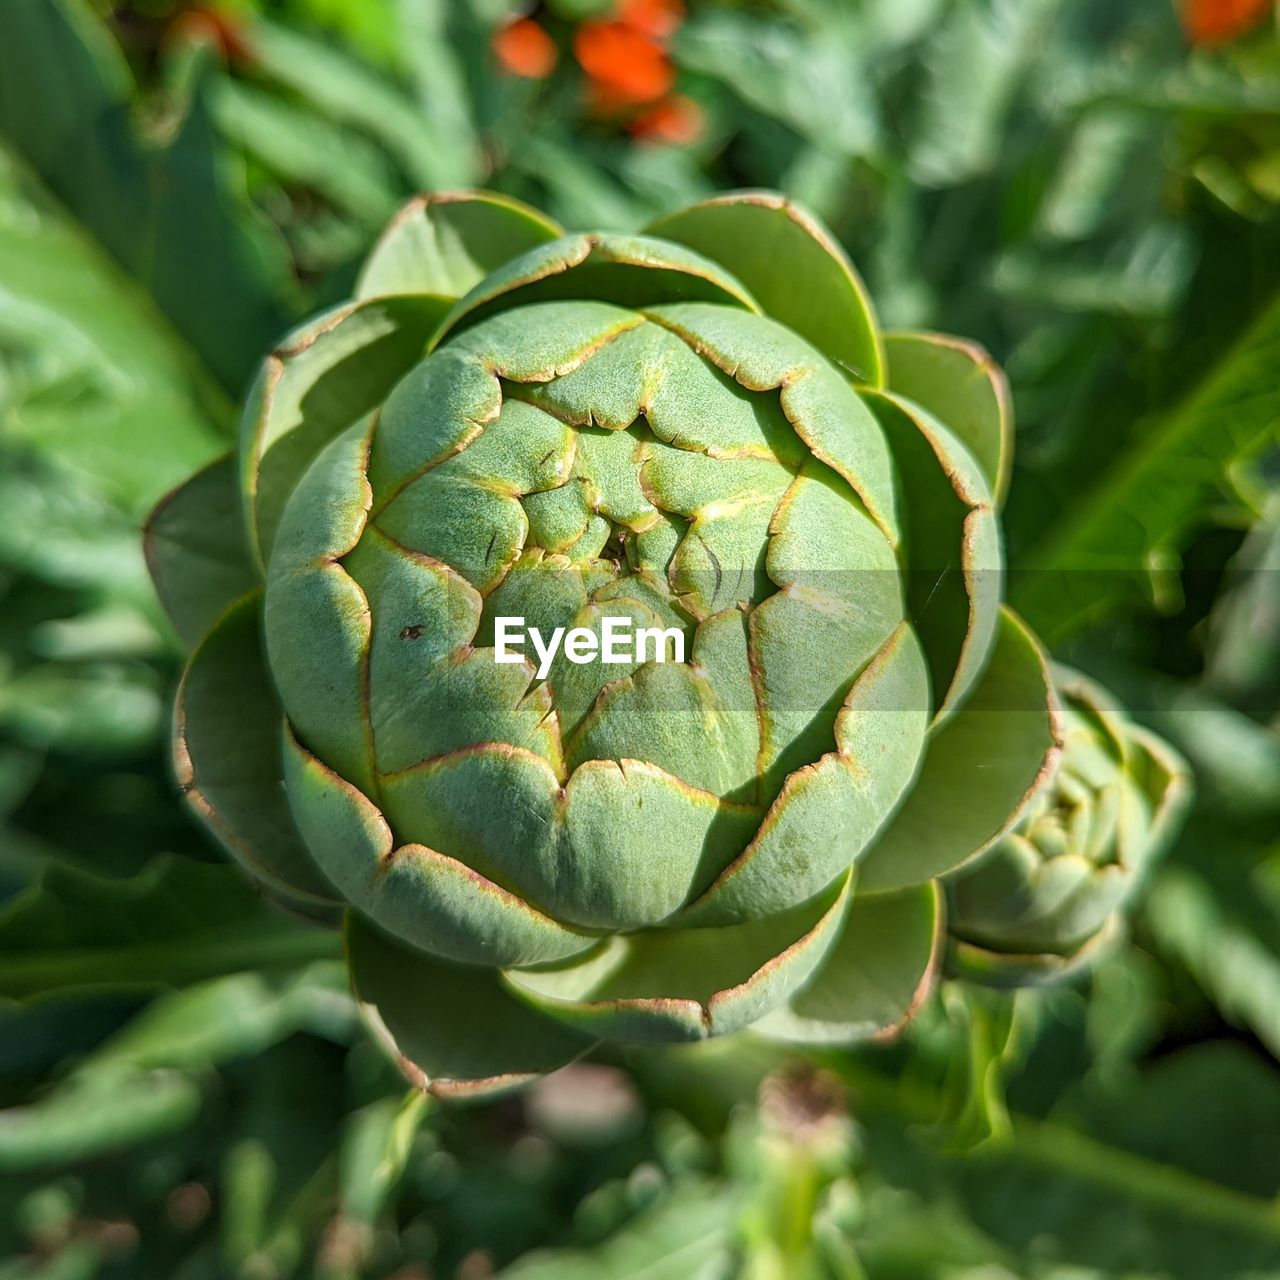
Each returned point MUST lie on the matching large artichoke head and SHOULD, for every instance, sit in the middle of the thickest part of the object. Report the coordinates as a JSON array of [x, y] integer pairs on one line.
[[692, 453], [1049, 895]]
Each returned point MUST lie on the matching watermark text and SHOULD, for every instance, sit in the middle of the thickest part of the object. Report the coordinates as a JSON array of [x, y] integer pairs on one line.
[[617, 643]]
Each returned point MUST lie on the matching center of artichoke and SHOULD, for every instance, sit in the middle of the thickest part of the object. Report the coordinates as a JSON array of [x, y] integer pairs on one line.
[[1080, 813]]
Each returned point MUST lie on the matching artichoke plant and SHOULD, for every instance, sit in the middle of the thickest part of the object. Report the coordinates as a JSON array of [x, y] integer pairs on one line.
[[1049, 896], [701, 432]]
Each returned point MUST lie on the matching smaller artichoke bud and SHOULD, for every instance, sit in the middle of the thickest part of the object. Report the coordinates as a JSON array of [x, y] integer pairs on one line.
[[1050, 894]]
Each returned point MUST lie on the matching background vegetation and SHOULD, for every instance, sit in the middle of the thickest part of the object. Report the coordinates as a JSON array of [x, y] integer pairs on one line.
[[1090, 188]]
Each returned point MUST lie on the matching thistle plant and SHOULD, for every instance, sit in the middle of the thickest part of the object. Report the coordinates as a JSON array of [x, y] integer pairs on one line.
[[700, 432]]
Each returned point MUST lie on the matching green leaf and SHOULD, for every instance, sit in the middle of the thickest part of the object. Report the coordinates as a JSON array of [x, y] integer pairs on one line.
[[1096, 172], [953, 554], [1238, 969], [793, 267], [629, 271], [279, 1173], [961, 386], [445, 245], [93, 1114], [1236, 760], [983, 1022], [437, 42], [343, 90], [18, 771], [1095, 561], [1010, 726], [1227, 1100], [376, 1149], [326, 375], [1144, 277], [875, 977], [976, 57], [688, 1234], [215, 1022], [1048, 1200], [165, 212], [1053, 1202], [580, 184], [1243, 662], [197, 551], [673, 985], [303, 149], [227, 758], [94, 377], [816, 81], [38, 1038], [61, 529], [94, 709], [173, 923], [453, 1029]]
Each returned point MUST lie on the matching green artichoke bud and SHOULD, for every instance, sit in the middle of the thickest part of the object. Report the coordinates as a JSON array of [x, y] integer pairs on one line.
[[700, 436], [1049, 896]]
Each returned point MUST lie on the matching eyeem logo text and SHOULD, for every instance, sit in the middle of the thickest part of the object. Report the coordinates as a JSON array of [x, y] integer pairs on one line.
[[616, 644]]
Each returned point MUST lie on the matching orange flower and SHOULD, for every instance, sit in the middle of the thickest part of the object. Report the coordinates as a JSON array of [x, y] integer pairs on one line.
[[1217, 21], [624, 67], [676, 120], [656, 18], [523, 48]]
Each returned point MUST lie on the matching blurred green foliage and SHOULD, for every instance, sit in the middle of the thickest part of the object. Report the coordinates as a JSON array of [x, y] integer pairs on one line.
[[184, 1091]]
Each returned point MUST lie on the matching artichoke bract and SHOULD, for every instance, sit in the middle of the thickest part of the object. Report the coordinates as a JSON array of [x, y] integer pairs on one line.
[[1049, 896], [697, 436]]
